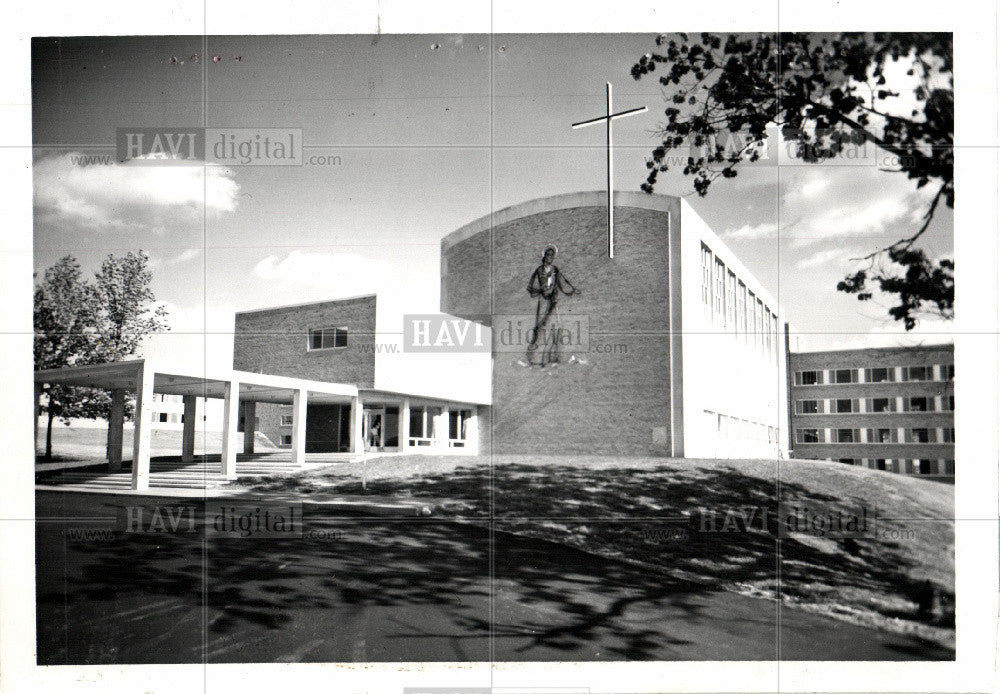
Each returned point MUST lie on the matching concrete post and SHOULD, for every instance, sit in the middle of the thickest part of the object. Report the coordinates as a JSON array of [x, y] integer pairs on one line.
[[190, 426], [472, 432], [404, 426], [116, 421], [230, 417], [300, 401], [141, 433], [357, 425], [249, 417], [442, 430]]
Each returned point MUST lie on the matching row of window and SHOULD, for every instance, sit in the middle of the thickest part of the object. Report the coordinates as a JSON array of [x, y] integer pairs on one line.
[[882, 435], [915, 403], [730, 427], [887, 374], [735, 307], [327, 338], [916, 466]]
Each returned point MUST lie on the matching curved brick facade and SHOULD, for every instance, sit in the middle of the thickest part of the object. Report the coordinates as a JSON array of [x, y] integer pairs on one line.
[[617, 402]]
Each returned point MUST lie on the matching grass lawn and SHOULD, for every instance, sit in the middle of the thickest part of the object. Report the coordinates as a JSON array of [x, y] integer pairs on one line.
[[661, 513]]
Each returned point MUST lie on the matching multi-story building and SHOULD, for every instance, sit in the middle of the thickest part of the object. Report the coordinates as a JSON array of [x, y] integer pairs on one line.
[[885, 408]]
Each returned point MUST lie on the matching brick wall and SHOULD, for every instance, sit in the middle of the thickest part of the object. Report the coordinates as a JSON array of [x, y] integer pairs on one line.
[[617, 402], [274, 341], [873, 358]]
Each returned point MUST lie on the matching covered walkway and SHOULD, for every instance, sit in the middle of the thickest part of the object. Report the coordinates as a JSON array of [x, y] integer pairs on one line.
[[240, 391]]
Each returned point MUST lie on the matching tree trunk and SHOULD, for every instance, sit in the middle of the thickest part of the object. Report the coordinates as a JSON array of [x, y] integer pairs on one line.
[[48, 436]]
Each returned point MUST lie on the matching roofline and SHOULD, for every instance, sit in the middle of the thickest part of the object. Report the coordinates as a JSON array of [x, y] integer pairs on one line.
[[304, 304], [563, 201], [908, 348]]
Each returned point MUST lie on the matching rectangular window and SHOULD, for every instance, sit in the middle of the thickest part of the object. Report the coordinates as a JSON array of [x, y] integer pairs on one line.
[[327, 338], [844, 406], [731, 300], [845, 376], [286, 439], [948, 372], [882, 463], [915, 404], [948, 435], [926, 467], [920, 435], [752, 318], [767, 331], [882, 436], [807, 378], [807, 407], [948, 403], [163, 417], [879, 375], [286, 420], [882, 405], [774, 335], [741, 308], [760, 323], [720, 289], [916, 373], [809, 435], [846, 435], [706, 276]]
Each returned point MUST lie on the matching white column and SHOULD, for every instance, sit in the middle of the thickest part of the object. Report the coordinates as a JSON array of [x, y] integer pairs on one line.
[[472, 432], [249, 427], [300, 400], [357, 425], [404, 425], [190, 426], [230, 417], [441, 428], [115, 424], [141, 432]]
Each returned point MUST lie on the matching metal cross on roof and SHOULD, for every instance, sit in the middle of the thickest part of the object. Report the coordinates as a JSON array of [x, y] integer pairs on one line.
[[607, 119]]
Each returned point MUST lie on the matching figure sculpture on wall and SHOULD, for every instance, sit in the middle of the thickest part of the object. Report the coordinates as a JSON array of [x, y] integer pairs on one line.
[[545, 284]]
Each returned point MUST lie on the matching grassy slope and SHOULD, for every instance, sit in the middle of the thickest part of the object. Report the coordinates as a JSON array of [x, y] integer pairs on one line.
[[612, 506], [88, 443]]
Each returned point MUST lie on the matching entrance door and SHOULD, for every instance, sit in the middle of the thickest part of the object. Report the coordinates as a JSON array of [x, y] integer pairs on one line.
[[373, 421]]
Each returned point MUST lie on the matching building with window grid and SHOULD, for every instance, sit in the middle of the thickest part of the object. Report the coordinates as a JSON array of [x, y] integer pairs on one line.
[[886, 409]]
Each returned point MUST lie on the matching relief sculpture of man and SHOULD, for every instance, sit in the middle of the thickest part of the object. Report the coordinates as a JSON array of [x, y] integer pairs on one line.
[[545, 284]]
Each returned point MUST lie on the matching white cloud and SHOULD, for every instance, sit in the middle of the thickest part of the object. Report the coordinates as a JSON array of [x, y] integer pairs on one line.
[[822, 258], [128, 197], [186, 255], [751, 231], [344, 274]]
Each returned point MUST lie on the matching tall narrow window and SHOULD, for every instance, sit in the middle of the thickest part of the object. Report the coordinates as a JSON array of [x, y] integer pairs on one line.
[[720, 290], [752, 317], [706, 276], [760, 324], [741, 308], [731, 300]]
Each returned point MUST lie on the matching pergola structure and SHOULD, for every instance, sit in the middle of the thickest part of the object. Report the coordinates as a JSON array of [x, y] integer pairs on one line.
[[236, 388]]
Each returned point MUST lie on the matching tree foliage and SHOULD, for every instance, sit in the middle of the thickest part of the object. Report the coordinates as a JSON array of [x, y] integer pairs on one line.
[[79, 322], [825, 93]]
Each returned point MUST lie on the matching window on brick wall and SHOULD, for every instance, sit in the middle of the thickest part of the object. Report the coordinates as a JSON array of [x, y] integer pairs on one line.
[[807, 378], [882, 405], [948, 435], [917, 403], [920, 435], [328, 338], [917, 373], [846, 436], [882, 436], [807, 407], [879, 375], [844, 406], [845, 376], [809, 435], [286, 420]]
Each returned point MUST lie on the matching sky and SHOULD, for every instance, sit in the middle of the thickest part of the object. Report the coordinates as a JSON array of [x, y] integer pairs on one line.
[[430, 132]]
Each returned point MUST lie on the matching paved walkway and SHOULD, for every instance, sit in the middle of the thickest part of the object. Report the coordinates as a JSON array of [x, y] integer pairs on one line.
[[390, 589]]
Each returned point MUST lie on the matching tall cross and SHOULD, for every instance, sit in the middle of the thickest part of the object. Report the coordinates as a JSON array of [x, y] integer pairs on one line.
[[611, 203]]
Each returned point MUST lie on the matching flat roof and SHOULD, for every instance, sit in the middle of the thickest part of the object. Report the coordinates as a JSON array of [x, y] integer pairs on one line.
[[171, 380]]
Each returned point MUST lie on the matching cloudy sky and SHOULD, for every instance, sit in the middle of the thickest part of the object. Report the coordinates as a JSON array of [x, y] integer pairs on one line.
[[431, 132]]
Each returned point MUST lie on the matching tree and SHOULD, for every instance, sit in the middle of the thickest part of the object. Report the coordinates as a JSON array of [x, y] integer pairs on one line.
[[826, 93], [63, 320], [79, 322], [126, 307]]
